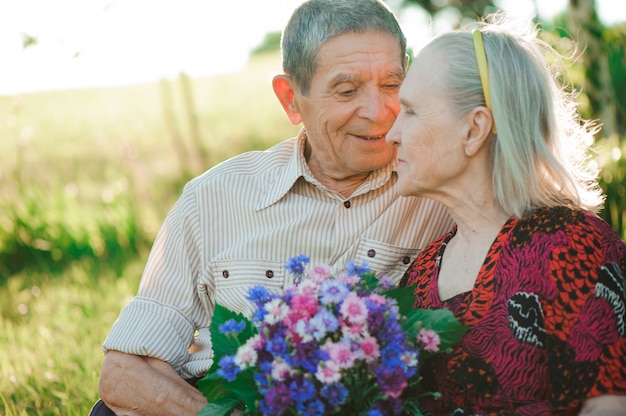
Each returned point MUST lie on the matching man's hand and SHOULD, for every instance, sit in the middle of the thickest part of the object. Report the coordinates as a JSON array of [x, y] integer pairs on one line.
[[134, 385]]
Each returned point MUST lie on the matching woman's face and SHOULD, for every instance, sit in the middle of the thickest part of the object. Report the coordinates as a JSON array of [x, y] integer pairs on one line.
[[427, 132]]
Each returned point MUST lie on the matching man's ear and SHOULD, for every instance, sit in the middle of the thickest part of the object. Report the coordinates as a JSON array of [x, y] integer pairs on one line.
[[285, 94], [479, 133]]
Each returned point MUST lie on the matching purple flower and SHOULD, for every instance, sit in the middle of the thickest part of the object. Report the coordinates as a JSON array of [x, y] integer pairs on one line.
[[391, 379], [276, 400], [386, 283], [307, 356]]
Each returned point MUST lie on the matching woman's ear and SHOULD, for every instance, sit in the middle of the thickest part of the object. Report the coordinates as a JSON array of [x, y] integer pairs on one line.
[[285, 94], [479, 133]]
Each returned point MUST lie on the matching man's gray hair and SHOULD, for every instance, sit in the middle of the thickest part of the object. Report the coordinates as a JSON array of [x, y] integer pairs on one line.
[[314, 22]]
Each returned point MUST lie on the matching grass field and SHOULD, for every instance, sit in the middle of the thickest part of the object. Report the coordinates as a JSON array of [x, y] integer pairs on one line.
[[86, 178]]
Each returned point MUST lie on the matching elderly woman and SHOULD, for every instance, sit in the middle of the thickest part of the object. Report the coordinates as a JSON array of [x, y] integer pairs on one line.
[[538, 277]]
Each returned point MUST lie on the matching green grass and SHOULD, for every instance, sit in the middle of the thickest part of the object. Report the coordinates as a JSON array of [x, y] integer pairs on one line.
[[52, 329], [86, 177]]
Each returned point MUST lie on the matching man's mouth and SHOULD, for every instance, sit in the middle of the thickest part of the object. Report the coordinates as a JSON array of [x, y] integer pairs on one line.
[[371, 137]]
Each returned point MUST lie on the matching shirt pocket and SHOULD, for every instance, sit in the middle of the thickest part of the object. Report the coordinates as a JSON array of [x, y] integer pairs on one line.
[[234, 278], [386, 259]]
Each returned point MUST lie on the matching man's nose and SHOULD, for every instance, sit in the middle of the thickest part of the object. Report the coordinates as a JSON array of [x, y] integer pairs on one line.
[[376, 106]]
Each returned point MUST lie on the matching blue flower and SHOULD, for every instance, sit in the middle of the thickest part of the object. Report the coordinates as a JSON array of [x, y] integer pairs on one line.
[[295, 265], [353, 269], [333, 292], [313, 408], [302, 390], [232, 327], [259, 295], [322, 323], [335, 393], [276, 345], [228, 369]]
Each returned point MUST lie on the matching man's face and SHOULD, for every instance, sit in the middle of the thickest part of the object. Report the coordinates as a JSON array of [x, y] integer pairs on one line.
[[351, 105]]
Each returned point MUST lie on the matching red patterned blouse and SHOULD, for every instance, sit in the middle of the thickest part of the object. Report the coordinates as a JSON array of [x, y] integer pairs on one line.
[[547, 315]]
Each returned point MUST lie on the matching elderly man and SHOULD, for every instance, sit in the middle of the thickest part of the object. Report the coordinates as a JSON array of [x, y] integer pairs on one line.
[[328, 193]]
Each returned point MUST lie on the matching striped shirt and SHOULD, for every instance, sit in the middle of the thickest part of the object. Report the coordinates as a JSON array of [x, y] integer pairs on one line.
[[236, 225]]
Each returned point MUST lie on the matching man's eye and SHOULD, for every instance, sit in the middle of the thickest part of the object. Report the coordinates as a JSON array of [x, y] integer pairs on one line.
[[392, 86], [347, 93]]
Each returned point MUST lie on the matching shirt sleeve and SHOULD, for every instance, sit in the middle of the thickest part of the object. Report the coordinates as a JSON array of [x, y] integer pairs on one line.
[[161, 321]]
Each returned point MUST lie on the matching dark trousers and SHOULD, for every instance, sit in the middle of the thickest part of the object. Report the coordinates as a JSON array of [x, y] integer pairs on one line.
[[100, 409]]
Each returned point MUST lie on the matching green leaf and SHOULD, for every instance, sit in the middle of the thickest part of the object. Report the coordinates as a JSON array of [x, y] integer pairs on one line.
[[212, 386], [370, 280], [246, 389], [405, 298], [227, 345], [442, 321], [221, 407]]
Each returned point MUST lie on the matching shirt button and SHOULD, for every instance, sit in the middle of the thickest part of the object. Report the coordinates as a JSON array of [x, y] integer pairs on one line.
[[406, 259], [269, 274], [347, 204], [371, 252], [225, 274]]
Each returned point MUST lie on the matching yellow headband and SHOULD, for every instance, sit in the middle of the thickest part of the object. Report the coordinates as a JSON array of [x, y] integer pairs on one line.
[[483, 70]]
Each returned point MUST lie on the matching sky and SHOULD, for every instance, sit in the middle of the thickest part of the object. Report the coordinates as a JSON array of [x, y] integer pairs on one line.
[[84, 43]]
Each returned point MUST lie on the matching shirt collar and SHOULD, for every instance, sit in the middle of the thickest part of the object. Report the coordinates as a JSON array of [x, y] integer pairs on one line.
[[296, 168]]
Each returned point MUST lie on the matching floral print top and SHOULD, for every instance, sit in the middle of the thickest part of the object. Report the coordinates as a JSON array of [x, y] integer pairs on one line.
[[547, 317]]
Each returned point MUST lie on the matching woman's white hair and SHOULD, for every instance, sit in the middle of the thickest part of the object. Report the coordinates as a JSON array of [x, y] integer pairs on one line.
[[539, 153]]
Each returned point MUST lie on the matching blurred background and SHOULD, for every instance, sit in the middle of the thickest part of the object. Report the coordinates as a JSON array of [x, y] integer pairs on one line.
[[107, 108]]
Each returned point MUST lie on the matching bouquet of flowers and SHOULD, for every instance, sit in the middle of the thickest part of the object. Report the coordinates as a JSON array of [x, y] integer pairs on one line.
[[325, 345]]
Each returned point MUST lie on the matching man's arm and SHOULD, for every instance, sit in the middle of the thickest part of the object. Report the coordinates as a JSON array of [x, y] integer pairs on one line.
[[134, 385], [604, 406]]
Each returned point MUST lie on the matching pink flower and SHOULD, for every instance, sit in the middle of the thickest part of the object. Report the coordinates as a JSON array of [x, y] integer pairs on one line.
[[353, 331], [378, 299], [319, 273], [308, 288], [430, 339], [246, 356], [340, 354], [280, 369], [353, 308], [276, 311], [305, 303], [370, 349], [328, 372]]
